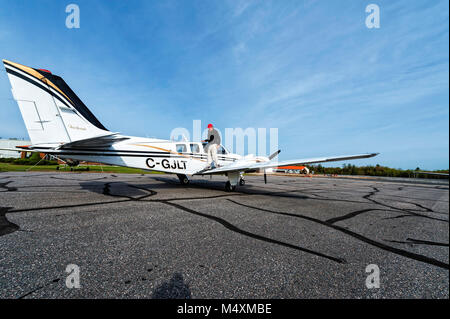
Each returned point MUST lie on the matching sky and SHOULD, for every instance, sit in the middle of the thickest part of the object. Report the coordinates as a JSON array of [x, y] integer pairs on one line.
[[312, 69]]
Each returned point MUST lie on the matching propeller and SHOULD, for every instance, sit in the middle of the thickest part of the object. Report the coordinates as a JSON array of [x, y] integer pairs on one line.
[[271, 157], [275, 154]]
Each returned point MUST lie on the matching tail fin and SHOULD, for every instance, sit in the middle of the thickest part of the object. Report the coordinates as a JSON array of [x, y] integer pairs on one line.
[[52, 112]]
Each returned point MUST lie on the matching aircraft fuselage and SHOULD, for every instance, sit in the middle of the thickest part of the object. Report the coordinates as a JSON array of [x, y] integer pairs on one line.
[[181, 157]]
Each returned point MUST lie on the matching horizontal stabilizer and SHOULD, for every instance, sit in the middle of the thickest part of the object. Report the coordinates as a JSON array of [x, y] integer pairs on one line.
[[13, 149], [103, 141], [21, 149]]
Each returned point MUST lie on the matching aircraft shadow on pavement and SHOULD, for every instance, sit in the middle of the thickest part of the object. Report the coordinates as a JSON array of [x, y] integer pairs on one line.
[[248, 189]]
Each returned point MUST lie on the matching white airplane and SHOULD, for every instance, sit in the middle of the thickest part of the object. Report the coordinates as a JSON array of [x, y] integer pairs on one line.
[[59, 124]]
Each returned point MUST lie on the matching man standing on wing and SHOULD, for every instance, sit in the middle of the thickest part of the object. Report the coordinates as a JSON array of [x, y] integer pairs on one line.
[[212, 146]]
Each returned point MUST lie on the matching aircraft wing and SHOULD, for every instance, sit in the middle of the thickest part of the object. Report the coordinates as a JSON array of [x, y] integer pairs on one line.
[[15, 149], [102, 141], [248, 166]]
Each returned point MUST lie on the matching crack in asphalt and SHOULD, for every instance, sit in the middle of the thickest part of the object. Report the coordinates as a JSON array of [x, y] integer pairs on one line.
[[8, 188], [412, 241], [6, 227], [354, 214], [404, 210], [39, 288]]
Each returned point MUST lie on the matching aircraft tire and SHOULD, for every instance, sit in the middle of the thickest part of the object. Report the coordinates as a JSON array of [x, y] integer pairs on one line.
[[184, 180], [228, 187]]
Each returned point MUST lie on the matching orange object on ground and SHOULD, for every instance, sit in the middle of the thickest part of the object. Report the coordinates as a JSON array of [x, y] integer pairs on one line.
[[291, 167]]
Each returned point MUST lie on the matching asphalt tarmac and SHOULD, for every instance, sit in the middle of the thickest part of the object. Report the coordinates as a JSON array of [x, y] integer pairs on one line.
[[146, 236]]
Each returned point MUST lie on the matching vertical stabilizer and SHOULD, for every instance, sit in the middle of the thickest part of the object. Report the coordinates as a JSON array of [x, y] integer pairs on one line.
[[52, 112]]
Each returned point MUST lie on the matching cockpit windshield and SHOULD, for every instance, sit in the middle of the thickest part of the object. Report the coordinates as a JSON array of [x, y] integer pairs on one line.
[[220, 150]]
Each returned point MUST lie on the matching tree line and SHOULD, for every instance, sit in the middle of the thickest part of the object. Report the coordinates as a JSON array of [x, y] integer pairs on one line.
[[377, 170], [346, 169]]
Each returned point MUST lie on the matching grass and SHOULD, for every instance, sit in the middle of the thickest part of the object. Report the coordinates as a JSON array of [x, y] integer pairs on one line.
[[6, 167]]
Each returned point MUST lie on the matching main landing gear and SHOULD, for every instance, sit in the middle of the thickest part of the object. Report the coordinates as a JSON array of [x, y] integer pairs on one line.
[[184, 180], [234, 179], [229, 187]]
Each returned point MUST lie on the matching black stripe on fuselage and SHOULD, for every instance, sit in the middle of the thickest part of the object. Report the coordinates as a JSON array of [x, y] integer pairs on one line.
[[149, 154], [111, 150], [110, 154], [86, 153]]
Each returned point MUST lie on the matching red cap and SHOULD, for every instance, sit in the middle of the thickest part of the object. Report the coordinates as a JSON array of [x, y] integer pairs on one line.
[[210, 125]]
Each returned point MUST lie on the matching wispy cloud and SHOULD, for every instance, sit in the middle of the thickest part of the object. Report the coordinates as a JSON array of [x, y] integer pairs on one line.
[[240, 6]]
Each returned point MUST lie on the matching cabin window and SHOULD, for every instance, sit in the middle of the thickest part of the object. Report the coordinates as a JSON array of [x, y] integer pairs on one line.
[[195, 148], [181, 148]]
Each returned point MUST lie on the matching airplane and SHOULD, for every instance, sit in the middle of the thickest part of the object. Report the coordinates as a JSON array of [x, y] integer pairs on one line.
[[60, 124]]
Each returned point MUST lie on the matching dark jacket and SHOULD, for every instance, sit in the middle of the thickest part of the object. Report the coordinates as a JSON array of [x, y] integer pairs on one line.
[[213, 137]]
